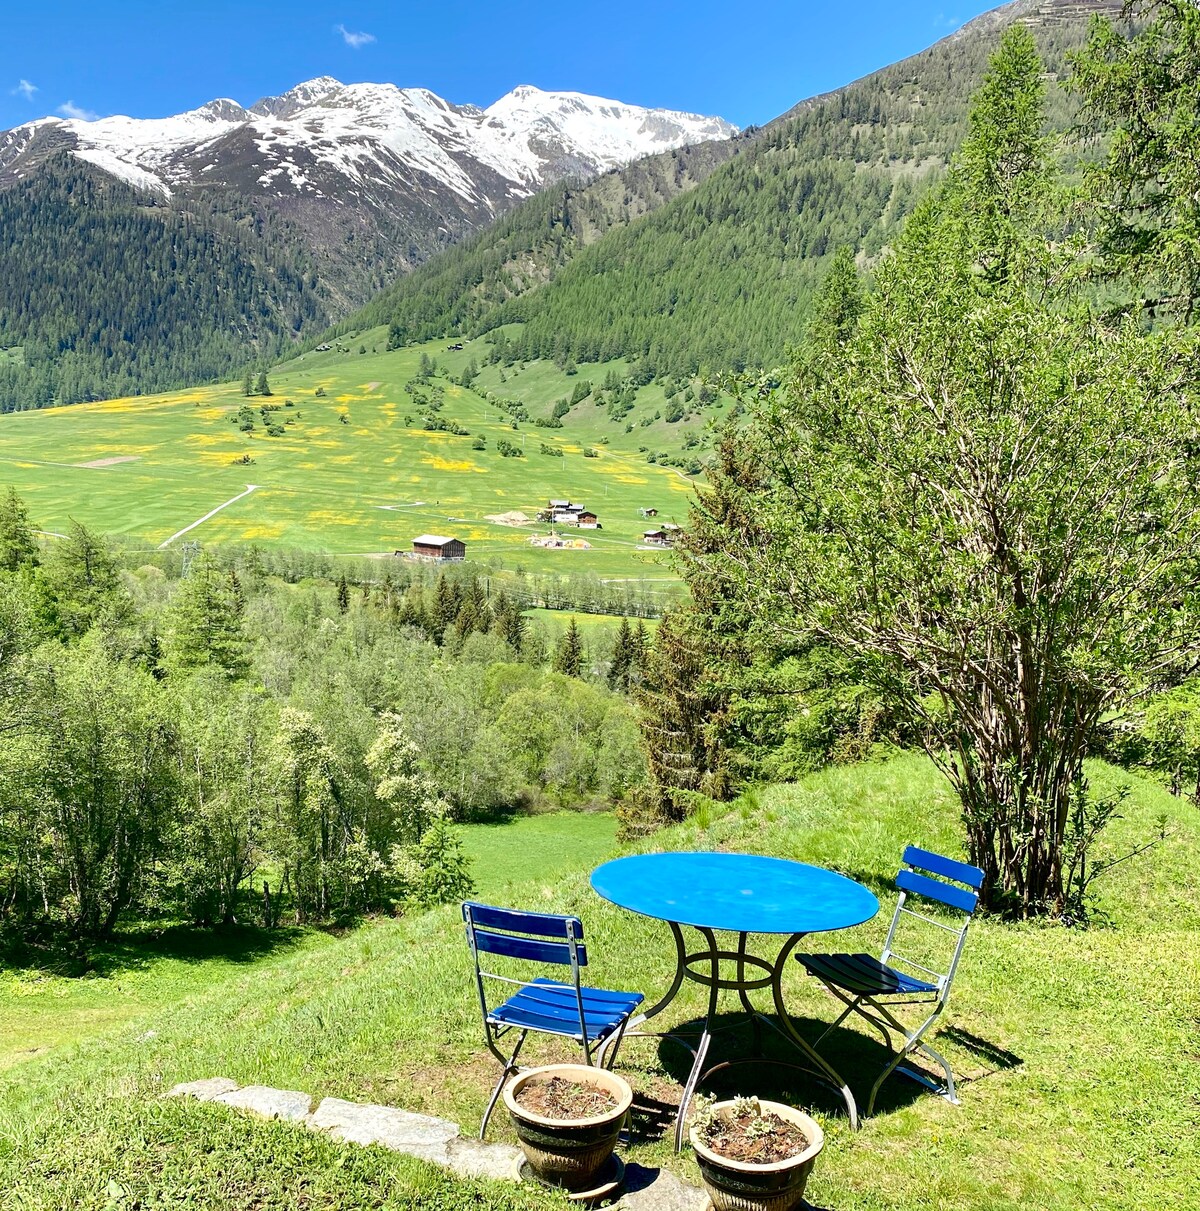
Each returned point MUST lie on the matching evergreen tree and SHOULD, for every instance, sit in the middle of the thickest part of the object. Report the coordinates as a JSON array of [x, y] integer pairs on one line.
[[18, 543], [343, 595], [1143, 92], [621, 661], [206, 627], [839, 301], [568, 655], [248, 383], [262, 387]]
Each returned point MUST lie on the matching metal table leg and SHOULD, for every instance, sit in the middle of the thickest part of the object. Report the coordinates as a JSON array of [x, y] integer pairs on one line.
[[686, 967], [824, 1069]]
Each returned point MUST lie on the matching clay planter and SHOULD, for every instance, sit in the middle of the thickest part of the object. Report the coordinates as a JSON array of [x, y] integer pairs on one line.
[[569, 1153], [739, 1186]]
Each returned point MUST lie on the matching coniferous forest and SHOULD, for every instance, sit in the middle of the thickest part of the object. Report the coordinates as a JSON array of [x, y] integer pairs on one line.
[[107, 291]]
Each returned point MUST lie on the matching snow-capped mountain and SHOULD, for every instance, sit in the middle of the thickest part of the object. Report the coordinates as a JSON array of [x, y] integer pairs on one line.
[[366, 179], [326, 139]]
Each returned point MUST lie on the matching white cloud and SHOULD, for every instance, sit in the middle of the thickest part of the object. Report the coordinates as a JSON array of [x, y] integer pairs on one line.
[[356, 40], [70, 110], [24, 89]]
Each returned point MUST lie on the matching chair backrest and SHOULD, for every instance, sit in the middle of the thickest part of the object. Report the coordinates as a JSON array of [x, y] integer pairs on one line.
[[933, 877], [537, 937]]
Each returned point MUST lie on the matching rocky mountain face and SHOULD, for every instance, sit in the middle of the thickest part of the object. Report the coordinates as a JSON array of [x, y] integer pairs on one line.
[[374, 177]]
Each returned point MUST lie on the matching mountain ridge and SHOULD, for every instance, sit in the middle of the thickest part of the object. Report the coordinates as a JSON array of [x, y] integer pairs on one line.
[[365, 133]]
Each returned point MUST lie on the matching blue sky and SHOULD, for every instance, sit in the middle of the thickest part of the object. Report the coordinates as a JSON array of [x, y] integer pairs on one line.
[[746, 61]]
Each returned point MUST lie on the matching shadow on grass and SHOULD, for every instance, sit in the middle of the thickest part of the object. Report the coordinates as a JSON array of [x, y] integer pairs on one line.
[[778, 1071], [139, 947]]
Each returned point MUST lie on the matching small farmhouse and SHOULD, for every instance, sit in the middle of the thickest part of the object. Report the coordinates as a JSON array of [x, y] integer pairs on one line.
[[655, 538], [435, 546], [586, 520]]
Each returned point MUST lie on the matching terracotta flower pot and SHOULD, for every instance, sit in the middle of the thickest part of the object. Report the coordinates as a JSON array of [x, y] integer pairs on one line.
[[569, 1152], [741, 1186]]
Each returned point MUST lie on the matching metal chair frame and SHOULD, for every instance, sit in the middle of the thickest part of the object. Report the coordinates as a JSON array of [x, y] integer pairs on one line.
[[515, 933], [868, 1006]]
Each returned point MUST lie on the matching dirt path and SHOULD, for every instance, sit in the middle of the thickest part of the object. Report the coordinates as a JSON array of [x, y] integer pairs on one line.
[[211, 513]]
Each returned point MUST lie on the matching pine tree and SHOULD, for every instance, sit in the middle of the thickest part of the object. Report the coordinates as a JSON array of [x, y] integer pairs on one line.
[[262, 386], [18, 543], [343, 595], [620, 662], [248, 384], [568, 655], [206, 626], [839, 301]]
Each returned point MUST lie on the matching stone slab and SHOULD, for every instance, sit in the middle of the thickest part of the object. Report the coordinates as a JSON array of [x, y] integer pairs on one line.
[[475, 1158], [660, 1190], [418, 1135], [289, 1105], [203, 1091]]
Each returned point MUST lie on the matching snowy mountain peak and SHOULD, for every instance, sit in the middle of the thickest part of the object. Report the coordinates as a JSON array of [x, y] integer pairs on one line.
[[311, 92], [325, 140]]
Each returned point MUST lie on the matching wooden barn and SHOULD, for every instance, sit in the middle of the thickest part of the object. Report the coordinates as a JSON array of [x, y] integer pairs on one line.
[[435, 546]]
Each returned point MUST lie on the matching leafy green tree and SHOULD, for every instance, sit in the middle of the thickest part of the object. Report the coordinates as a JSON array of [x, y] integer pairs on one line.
[[100, 763], [18, 543], [306, 831], [988, 499], [406, 793], [223, 738], [1143, 93]]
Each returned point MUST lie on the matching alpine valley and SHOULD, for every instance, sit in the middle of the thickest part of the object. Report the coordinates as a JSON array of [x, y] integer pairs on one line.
[[283, 216], [146, 255]]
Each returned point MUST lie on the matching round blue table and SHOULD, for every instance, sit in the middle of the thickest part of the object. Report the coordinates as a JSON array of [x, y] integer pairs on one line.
[[742, 894]]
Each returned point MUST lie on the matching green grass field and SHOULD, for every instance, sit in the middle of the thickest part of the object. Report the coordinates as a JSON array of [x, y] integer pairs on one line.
[[354, 474], [1075, 1048]]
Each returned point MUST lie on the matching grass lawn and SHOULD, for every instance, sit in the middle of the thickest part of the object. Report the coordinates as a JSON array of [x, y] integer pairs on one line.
[[1077, 1049], [355, 473], [535, 850]]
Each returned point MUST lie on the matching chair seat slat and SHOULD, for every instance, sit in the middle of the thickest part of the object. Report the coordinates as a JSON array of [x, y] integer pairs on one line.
[[553, 1009], [862, 973]]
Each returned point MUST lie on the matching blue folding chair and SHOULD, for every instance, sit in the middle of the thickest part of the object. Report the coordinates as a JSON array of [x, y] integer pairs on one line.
[[590, 1016], [863, 982]]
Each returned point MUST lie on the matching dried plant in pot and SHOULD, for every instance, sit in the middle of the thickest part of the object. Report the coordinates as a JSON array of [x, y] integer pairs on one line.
[[754, 1156], [568, 1118]]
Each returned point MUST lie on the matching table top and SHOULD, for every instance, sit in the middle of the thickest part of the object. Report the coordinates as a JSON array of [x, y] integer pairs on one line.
[[741, 893]]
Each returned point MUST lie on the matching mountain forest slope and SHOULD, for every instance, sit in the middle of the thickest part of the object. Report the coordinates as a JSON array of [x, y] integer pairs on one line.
[[718, 276], [260, 225]]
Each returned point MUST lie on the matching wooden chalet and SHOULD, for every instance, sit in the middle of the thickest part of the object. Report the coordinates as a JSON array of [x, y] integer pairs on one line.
[[435, 546]]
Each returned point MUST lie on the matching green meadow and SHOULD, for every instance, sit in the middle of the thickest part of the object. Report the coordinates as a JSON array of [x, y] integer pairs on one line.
[[354, 471], [1075, 1048]]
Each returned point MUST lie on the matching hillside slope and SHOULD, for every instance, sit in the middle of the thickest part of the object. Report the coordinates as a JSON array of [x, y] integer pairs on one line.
[[720, 274], [1056, 1034]]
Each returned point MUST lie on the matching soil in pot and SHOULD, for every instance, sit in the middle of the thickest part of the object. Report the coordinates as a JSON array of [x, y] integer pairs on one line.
[[558, 1098], [756, 1139]]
